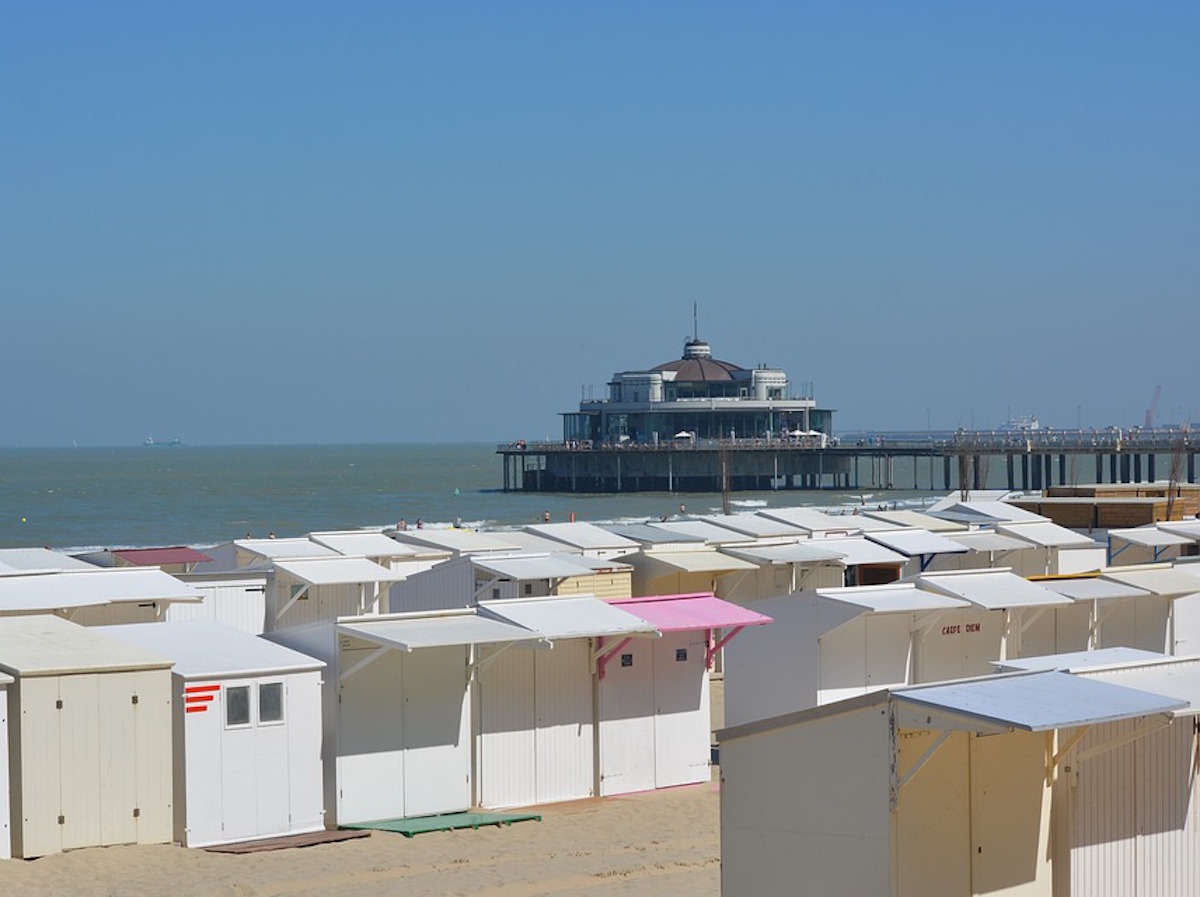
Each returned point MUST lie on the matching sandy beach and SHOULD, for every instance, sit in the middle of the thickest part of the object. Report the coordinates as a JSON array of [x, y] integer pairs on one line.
[[662, 842]]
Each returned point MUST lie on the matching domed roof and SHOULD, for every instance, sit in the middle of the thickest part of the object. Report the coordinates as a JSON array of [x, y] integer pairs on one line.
[[698, 364]]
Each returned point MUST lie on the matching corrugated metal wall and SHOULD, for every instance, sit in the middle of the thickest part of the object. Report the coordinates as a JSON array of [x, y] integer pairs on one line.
[[602, 585], [506, 741], [535, 743], [238, 605], [565, 718], [1132, 813]]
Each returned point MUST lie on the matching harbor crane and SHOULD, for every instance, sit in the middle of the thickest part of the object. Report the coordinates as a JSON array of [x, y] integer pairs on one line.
[[1150, 412]]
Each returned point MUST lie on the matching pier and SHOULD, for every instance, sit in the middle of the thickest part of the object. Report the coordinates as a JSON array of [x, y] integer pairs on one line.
[[934, 461]]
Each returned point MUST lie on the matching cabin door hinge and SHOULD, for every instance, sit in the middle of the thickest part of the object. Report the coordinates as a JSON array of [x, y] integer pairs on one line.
[[58, 704], [133, 699], [62, 820], [137, 812]]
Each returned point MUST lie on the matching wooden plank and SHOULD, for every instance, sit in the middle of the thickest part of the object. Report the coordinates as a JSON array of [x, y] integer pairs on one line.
[[308, 839]]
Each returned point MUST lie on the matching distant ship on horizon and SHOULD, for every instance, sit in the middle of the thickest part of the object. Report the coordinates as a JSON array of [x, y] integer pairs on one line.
[[149, 440]]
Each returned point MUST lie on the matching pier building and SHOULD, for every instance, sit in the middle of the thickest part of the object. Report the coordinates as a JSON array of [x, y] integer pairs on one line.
[[697, 397]]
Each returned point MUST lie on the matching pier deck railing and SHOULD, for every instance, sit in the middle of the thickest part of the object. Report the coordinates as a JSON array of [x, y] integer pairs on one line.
[[1031, 459], [1157, 441]]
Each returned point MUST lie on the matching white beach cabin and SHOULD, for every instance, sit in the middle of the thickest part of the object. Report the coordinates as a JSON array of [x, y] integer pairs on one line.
[[1127, 794], [830, 644], [397, 709], [95, 596], [920, 546], [304, 590], [655, 716], [466, 580], [234, 598], [89, 735], [457, 542], [401, 558], [826, 645], [934, 790], [536, 710], [247, 716], [587, 539], [1166, 618], [683, 568], [39, 560], [781, 570]]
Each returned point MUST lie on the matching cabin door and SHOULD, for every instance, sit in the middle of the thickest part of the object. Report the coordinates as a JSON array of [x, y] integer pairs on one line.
[[682, 724], [437, 743], [370, 738], [563, 706], [627, 701]]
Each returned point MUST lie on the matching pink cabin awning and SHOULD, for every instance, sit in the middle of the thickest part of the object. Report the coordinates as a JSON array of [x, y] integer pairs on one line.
[[679, 613]]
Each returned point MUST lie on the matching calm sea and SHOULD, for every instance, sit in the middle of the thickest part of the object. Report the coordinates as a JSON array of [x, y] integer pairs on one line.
[[87, 498]]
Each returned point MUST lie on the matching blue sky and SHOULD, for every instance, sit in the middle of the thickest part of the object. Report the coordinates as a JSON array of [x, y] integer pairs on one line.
[[402, 222]]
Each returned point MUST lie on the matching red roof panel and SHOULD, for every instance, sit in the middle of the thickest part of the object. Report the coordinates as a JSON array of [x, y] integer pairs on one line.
[[156, 557]]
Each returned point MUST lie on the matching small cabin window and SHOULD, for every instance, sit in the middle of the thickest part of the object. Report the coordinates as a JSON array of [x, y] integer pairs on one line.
[[237, 705], [528, 588], [270, 702]]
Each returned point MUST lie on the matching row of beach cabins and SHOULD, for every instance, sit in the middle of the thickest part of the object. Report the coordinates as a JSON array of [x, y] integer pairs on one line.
[[269, 687]]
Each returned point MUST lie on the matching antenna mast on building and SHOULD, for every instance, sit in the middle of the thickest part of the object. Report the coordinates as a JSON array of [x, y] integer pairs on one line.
[[695, 323]]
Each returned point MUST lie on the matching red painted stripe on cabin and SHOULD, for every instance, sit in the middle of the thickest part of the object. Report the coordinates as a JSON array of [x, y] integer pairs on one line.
[[192, 689], [197, 708], [198, 699]]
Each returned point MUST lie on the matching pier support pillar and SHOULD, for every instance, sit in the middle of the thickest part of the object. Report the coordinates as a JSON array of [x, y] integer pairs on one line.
[[1099, 469], [1025, 472], [946, 472], [1008, 464], [1150, 478], [1124, 468], [1137, 467], [1191, 464], [1112, 469], [976, 473], [1048, 463], [1062, 470]]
